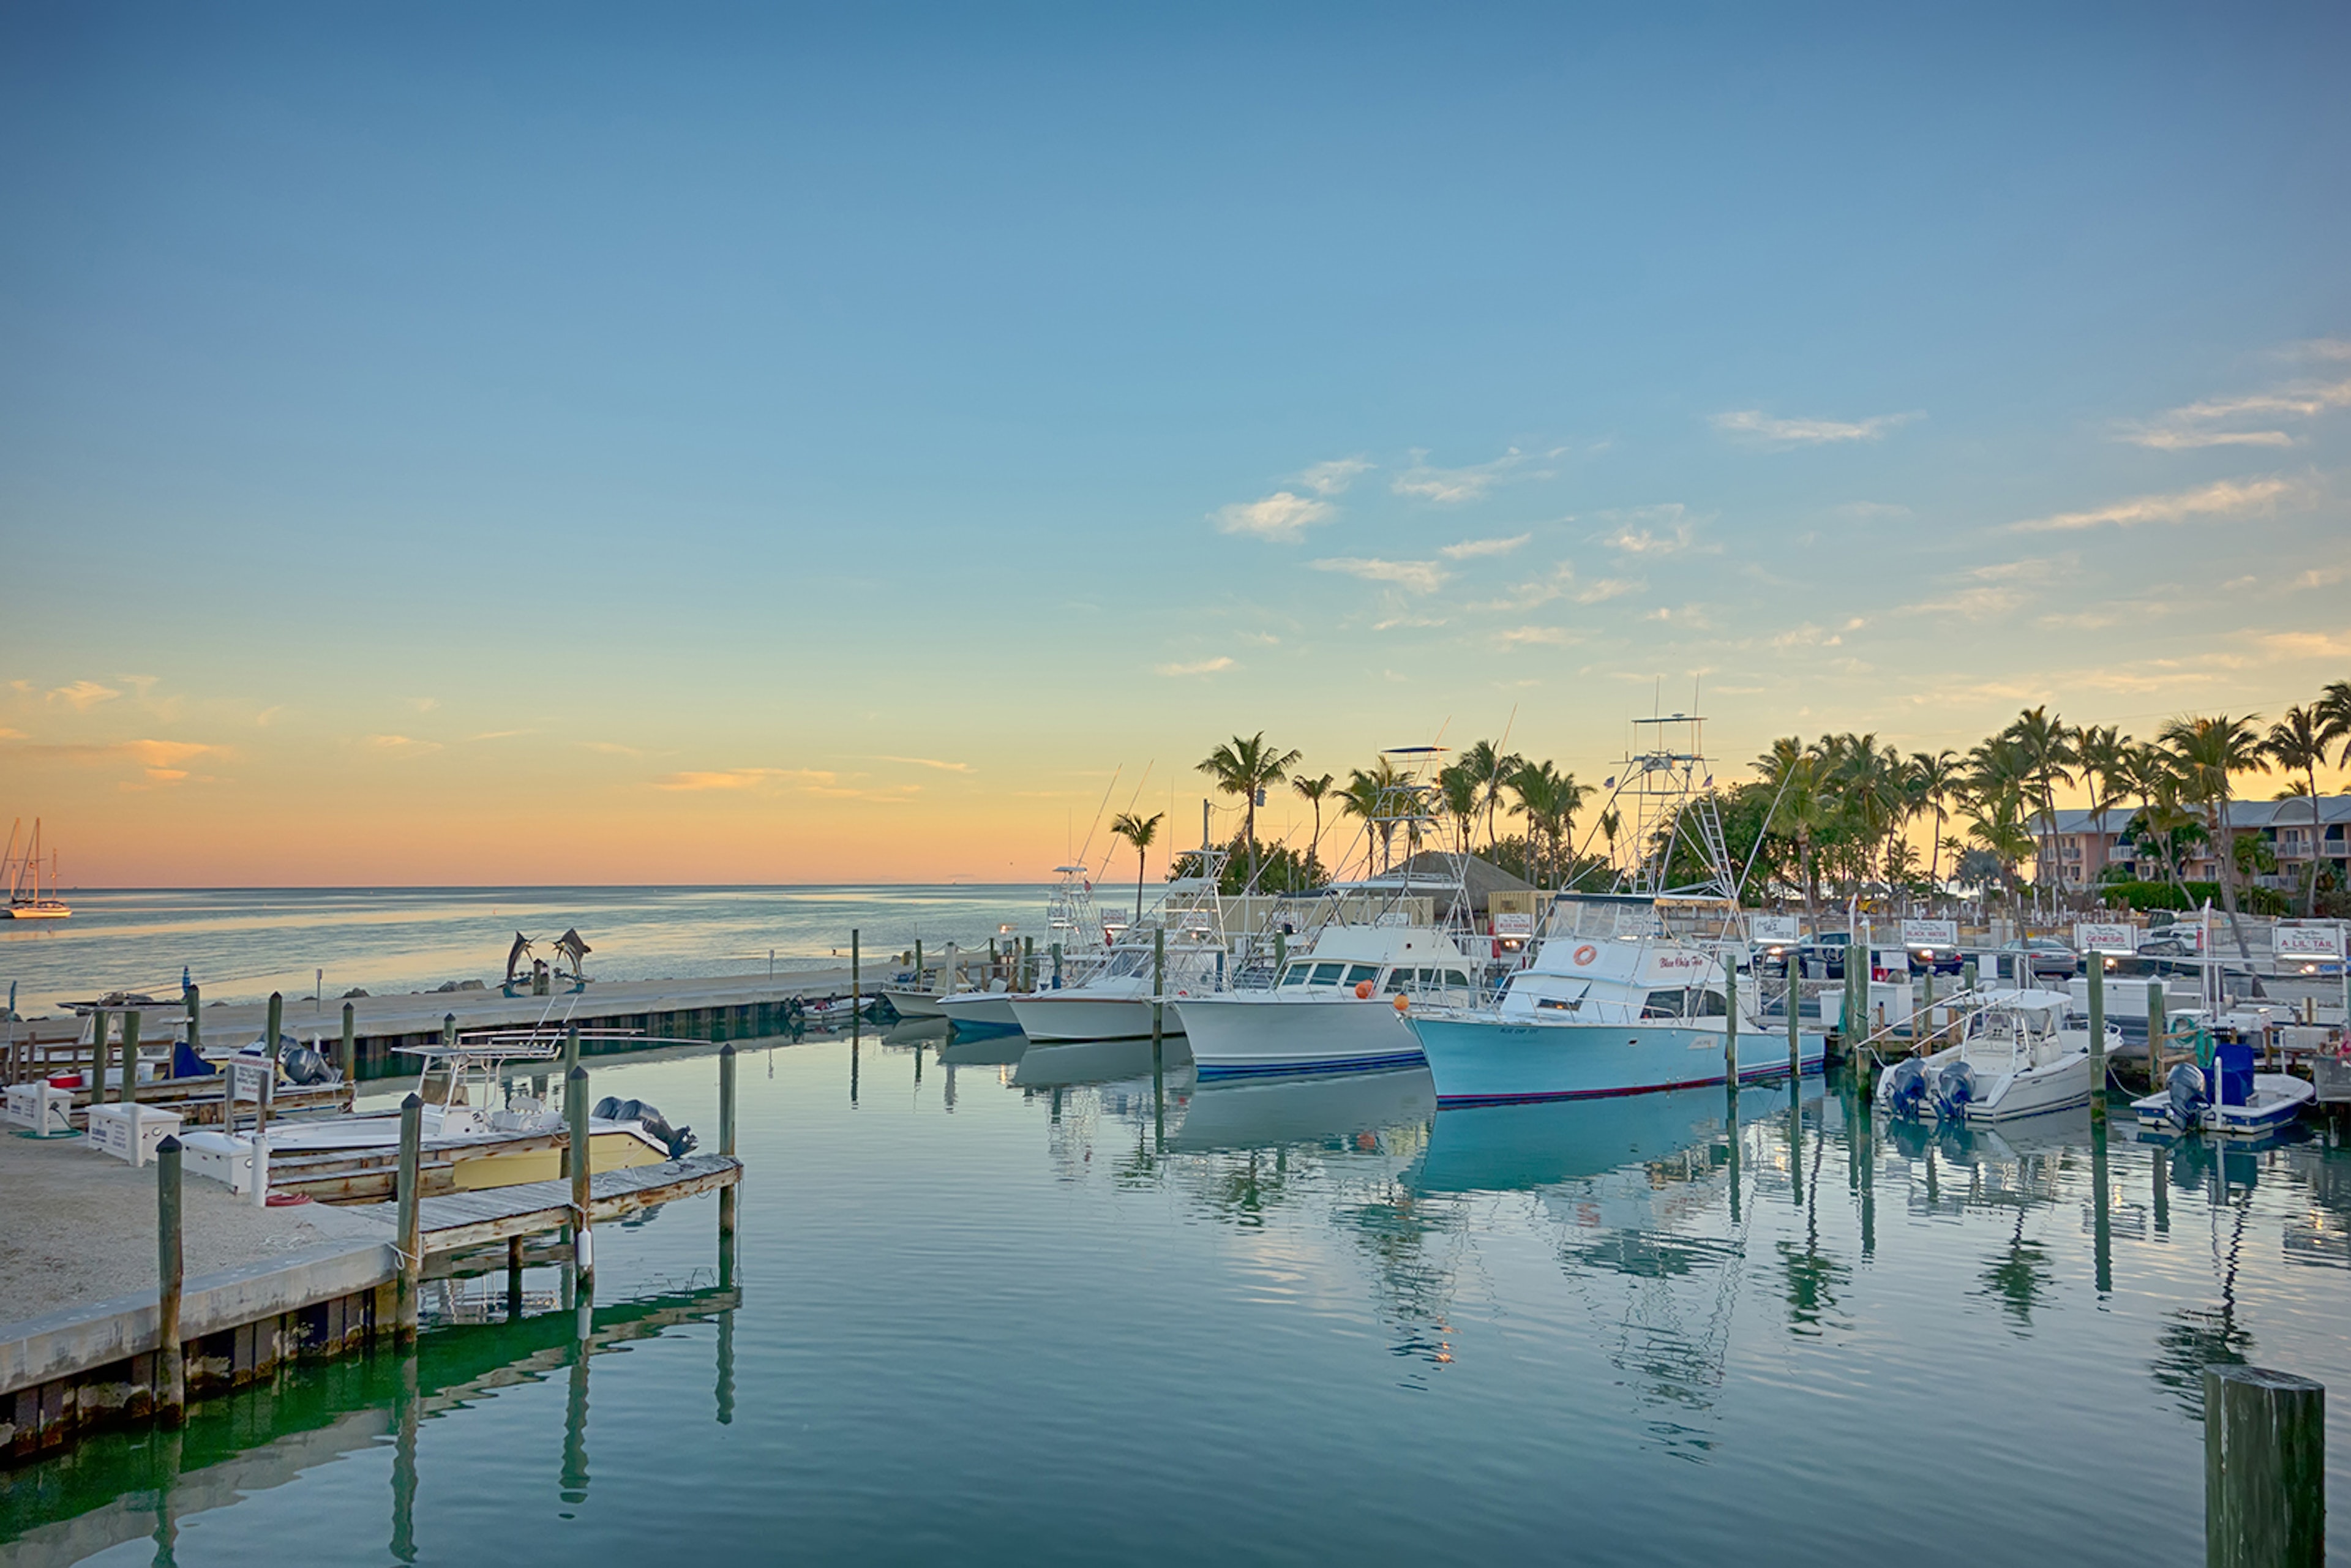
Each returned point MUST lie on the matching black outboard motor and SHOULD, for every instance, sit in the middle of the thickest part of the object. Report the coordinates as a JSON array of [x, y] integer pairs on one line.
[[2186, 1084], [1906, 1087], [304, 1066], [1955, 1089]]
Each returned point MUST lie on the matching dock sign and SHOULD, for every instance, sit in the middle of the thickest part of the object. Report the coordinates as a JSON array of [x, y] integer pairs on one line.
[[2308, 941], [2100, 938], [1771, 929], [1930, 934]]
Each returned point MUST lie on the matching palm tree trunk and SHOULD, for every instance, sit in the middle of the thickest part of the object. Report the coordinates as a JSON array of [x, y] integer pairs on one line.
[[1139, 862], [2228, 835]]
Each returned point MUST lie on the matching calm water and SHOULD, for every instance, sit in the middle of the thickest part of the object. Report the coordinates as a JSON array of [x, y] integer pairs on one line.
[[982, 1313], [241, 943]]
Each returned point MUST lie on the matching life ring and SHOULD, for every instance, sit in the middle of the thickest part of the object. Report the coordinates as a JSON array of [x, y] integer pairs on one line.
[[1585, 954], [1363, 990]]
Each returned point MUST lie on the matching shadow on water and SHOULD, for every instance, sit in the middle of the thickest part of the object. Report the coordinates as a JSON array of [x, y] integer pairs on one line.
[[122, 1487]]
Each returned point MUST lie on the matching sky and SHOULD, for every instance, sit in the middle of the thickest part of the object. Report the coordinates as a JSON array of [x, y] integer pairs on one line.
[[455, 445]]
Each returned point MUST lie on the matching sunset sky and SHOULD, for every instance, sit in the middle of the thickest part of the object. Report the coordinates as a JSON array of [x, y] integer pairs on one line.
[[577, 444]]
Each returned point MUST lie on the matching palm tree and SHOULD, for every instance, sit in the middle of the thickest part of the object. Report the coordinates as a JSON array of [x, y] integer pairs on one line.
[[1794, 775], [2208, 750], [1491, 767], [2146, 772], [1311, 792], [2047, 748], [2101, 753], [1611, 824], [1537, 786], [1458, 790], [1245, 767], [1138, 831], [2333, 710], [1934, 782], [1375, 795], [2298, 743]]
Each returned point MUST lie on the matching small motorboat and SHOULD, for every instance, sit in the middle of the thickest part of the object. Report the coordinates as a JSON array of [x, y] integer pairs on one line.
[[2021, 1056], [2230, 1101]]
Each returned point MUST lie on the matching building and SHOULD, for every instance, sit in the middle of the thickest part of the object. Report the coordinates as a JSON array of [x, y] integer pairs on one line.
[[2085, 847]]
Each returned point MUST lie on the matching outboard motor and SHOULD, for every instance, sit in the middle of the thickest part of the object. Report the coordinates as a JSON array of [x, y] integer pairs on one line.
[[304, 1066], [1955, 1089], [1906, 1087], [679, 1141], [2186, 1084]]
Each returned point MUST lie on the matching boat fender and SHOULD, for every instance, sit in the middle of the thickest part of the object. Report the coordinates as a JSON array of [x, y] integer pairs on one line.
[[2185, 1106], [1906, 1087], [1955, 1088], [1402, 1003], [583, 1248], [1363, 990]]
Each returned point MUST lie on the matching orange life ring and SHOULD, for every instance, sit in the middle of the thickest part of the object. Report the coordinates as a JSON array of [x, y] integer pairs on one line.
[[1585, 954], [1363, 990]]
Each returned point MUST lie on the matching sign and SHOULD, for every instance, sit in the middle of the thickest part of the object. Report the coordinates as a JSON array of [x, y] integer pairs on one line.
[[1514, 926], [1772, 928], [1930, 934], [2308, 941], [2092, 937]]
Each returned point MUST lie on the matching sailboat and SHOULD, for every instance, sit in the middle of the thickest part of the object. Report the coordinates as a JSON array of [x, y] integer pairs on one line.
[[25, 900]]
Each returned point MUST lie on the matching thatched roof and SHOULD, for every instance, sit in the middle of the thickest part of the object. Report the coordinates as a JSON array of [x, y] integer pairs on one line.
[[1480, 877]]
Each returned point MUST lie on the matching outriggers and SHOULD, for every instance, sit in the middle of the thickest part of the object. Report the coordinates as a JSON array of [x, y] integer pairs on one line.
[[1072, 917], [1182, 940], [1629, 991], [1366, 954]]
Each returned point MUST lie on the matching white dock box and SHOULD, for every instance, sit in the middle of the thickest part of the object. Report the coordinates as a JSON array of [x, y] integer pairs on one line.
[[227, 1160], [40, 1107], [130, 1133]]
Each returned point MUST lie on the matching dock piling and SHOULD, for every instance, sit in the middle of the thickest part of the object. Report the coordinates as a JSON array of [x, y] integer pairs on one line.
[[575, 1112], [171, 1388], [1730, 1025], [726, 1140], [2159, 1024], [101, 1055], [2097, 1037], [571, 1050], [1795, 1008], [2265, 1467], [856, 988], [411, 1218], [1057, 966], [1158, 1035], [347, 1059], [129, 1092]]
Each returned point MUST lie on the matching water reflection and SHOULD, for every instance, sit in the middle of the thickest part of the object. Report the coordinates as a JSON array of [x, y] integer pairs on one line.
[[1357, 1109]]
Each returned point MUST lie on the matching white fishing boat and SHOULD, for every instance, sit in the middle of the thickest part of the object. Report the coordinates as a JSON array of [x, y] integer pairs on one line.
[[980, 1013], [1182, 941], [1338, 1004], [2018, 1055]]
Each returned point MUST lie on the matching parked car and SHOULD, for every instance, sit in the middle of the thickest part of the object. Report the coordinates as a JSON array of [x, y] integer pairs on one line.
[[2046, 958], [1938, 960], [2162, 953]]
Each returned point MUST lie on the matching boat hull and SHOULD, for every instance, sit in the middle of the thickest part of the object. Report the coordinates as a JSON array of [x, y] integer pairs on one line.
[[1265, 1035], [1068, 1017], [1483, 1061], [2278, 1102], [979, 1014], [915, 1004]]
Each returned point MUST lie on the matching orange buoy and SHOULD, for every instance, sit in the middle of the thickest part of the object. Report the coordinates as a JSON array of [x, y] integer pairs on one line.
[[1363, 990], [1401, 1004]]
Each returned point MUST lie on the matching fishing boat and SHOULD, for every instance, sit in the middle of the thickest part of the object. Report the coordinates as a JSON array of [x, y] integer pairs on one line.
[[2018, 1055], [25, 899], [2228, 1098], [1338, 1004], [1182, 942], [1073, 924]]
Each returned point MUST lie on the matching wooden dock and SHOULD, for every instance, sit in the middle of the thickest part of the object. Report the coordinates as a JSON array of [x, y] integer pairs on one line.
[[461, 1220]]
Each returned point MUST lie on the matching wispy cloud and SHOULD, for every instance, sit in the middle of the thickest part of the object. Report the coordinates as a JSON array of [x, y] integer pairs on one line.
[[423, 705], [1282, 516], [1608, 588], [1451, 487], [1470, 549], [746, 778], [612, 748], [402, 746], [269, 715], [1333, 478], [925, 762], [161, 761], [1754, 424], [2207, 423], [500, 734], [1199, 667], [84, 695], [1545, 636], [1637, 531], [2221, 499], [1412, 576]]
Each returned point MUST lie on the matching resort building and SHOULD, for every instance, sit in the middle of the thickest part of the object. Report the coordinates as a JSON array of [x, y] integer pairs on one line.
[[2085, 845]]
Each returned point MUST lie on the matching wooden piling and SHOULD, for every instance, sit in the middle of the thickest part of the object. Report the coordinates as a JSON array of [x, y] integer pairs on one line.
[[1057, 966], [1730, 1031], [194, 999], [128, 1094], [727, 1139], [856, 988], [101, 1054], [1795, 1007], [2158, 1025], [571, 1050], [575, 1112], [170, 1386], [410, 1224], [1280, 953], [2264, 1469], [2098, 962], [918, 965], [347, 1059]]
